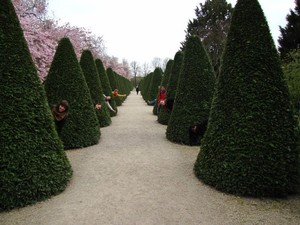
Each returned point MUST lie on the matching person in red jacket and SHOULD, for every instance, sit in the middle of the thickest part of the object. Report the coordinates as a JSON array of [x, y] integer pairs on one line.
[[161, 96], [161, 101]]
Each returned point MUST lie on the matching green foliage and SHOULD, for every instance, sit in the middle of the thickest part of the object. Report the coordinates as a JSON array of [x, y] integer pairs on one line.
[[66, 81], [211, 25], [154, 110], [194, 92], [145, 86], [250, 146], [164, 116], [33, 164], [113, 83], [122, 87], [175, 74], [165, 80], [111, 77], [290, 35], [155, 83], [292, 74], [106, 85], [93, 81]]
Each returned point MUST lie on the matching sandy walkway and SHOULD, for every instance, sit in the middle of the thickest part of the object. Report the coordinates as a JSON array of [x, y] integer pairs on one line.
[[135, 176]]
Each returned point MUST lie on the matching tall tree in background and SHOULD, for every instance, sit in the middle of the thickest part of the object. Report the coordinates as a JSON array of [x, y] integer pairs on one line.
[[290, 35], [135, 69], [250, 146], [66, 81], [211, 25], [33, 163], [145, 69], [156, 62], [92, 78]]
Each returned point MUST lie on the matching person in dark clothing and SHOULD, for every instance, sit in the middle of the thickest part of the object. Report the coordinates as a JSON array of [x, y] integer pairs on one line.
[[169, 104], [196, 132], [60, 113], [137, 90]]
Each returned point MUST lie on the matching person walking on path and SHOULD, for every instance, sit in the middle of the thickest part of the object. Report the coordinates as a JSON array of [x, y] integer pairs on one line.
[[137, 90]]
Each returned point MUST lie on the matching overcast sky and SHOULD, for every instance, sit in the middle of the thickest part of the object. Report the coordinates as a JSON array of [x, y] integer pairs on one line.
[[140, 30]]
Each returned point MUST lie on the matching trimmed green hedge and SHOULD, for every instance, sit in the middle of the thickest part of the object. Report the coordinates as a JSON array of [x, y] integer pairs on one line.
[[106, 85], [250, 146], [164, 82], [113, 83], [145, 86], [93, 81], [194, 93], [65, 80], [155, 83], [33, 164], [163, 116], [292, 75], [172, 86]]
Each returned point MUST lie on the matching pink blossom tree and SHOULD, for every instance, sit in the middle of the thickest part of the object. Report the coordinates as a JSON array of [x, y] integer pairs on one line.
[[42, 34]]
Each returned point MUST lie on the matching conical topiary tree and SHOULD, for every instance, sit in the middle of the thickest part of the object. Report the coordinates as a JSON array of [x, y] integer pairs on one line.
[[120, 82], [33, 162], [194, 93], [164, 116], [106, 85], [113, 84], [161, 76], [91, 75], [250, 144], [154, 84], [66, 81], [146, 86], [164, 82]]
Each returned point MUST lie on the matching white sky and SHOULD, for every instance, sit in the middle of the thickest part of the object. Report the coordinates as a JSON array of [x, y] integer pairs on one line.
[[140, 30]]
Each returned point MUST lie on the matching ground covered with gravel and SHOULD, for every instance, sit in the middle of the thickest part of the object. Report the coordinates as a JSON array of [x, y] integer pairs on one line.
[[136, 176]]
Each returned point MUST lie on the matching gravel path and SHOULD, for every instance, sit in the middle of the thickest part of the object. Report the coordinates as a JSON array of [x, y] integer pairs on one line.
[[135, 176]]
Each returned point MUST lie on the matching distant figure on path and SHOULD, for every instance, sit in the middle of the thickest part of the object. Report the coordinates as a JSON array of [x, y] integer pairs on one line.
[[137, 90]]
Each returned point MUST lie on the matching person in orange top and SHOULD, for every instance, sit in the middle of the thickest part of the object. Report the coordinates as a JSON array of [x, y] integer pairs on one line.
[[116, 93]]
